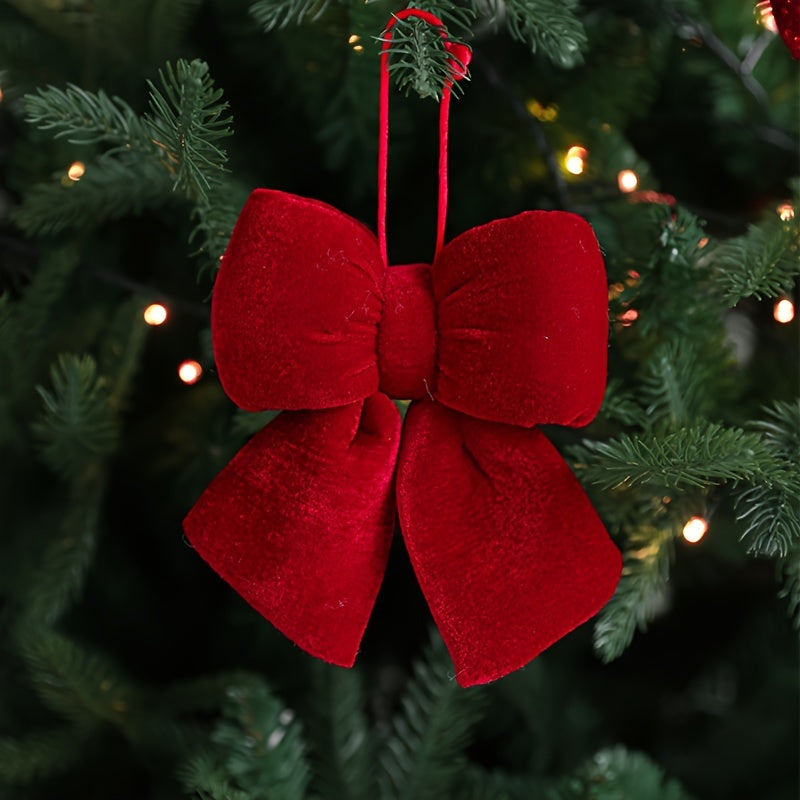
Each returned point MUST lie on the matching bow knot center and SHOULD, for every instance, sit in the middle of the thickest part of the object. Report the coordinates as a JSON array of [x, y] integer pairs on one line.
[[407, 333]]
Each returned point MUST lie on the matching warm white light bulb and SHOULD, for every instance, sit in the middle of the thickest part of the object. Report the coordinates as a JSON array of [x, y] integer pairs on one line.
[[575, 161], [627, 180], [785, 212], [783, 311], [695, 529], [76, 170], [190, 372], [155, 314]]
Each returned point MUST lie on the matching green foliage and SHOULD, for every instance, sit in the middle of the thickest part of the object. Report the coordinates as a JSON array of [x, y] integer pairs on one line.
[[423, 754], [175, 147], [547, 26], [639, 595], [790, 568], [75, 682], [259, 752], [271, 14], [418, 60], [762, 263], [85, 117], [618, 773], [341, 744], [26, 759], [188, 119], [77, 425], [770, 508], [704, 454]]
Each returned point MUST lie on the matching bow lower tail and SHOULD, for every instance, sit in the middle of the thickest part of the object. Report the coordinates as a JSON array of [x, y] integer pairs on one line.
[[301, 520]]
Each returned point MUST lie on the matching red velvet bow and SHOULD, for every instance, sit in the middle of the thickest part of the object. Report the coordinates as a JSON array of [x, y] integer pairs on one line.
[[506, 330]]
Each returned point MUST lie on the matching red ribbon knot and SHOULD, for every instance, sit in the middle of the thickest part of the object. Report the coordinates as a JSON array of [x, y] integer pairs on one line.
[[407, 333]]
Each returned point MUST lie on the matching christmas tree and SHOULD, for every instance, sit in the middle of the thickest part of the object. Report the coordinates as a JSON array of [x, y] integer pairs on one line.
[[130, 137]]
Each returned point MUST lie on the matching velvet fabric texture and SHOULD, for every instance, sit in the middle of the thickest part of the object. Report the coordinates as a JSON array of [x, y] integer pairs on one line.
[[506, 330]]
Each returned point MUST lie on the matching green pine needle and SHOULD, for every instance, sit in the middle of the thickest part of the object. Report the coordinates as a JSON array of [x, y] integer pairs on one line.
[[84, 117], [28, 758], [770, 508], [272, 14], [639, 595], [704, 454], [762, 263], [617, 773], [339, 736], [547, 26], [77, 425], [256, 752], [423, 755], [187, 120]]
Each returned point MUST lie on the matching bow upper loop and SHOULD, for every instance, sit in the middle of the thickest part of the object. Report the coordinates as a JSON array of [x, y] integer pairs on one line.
[[296, 306]]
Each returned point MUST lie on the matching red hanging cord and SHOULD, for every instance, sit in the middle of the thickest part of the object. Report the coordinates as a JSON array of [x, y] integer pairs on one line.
[[462, 54]]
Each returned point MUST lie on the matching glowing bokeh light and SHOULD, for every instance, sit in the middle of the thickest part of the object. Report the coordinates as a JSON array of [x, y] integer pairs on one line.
[[190, 372], [76, 170], [575, 161], [627, 180], [695, 529], [155, 314], [783, 311], [786, 211]]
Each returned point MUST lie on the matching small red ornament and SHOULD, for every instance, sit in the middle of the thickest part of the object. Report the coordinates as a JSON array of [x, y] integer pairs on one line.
[[787, 18], [505, 330]]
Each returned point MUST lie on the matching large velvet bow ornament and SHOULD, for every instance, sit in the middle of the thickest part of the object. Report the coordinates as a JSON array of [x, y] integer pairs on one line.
[[506, 330]]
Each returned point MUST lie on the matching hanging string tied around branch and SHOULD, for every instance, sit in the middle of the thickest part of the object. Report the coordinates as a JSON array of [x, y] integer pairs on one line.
[[505, 331]]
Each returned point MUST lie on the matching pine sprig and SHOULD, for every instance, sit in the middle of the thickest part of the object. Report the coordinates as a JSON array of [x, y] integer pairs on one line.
[[423, 754], [340, 739], [618, 773], [674, 384], [770, 508], [83, 117], [418, 60], [28, 758], [74, 682], [188, 118], [762, 263], [639, 595], [272, 14], [77, 425], [259, 751], [547, 26], [704, 454]]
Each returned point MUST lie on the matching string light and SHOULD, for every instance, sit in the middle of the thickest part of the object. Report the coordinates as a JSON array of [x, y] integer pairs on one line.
[[76, 170], [627, 180], [628, 317], [190, 372], [1, 95], [786, 212], [783, 311], [354, 40], [155, 314], [542, 113], [695, 529], [575, 162], [765, 17]]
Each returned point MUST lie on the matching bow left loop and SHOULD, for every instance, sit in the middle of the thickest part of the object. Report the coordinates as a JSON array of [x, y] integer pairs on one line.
[[301, 520], [296, 306]]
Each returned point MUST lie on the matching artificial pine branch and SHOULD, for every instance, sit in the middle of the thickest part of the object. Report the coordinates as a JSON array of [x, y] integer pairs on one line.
[[762, 263], [187, 120], [256, 752], [617, 773], [547, 26], [639, 595], [271, 14], [340, 741], [423, 754], [703, 454]]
